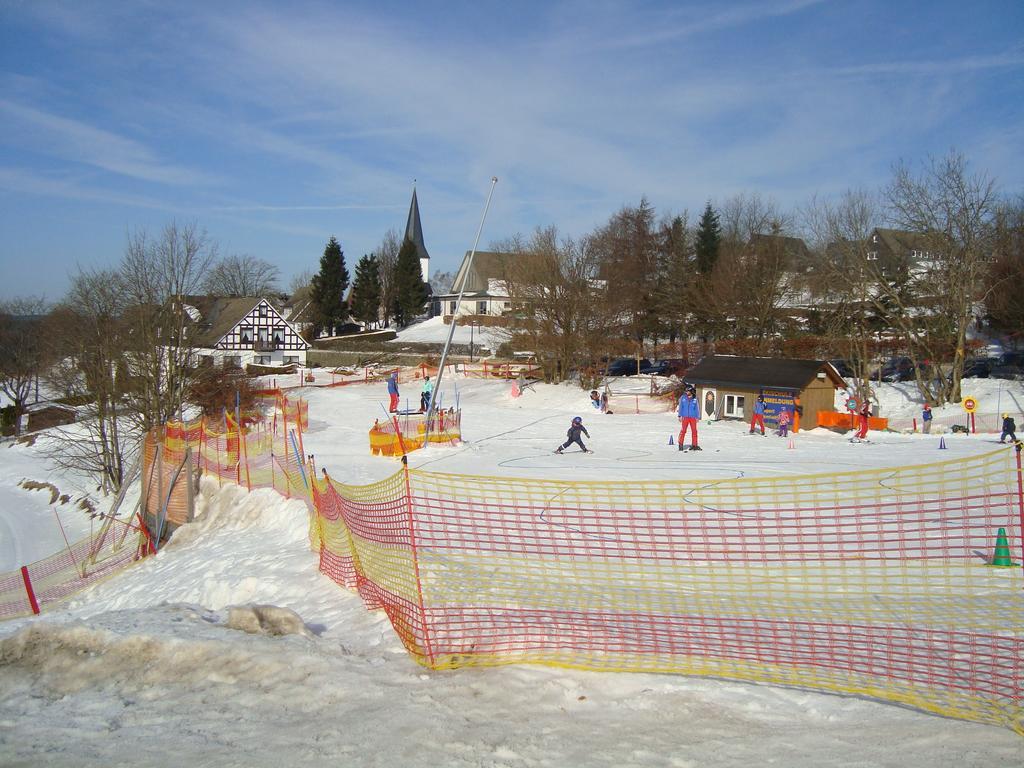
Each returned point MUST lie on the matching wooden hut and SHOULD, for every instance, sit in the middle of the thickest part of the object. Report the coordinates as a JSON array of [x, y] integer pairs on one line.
[[727, 387]]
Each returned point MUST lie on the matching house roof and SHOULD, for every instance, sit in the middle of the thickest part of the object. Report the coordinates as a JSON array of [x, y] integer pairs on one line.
[[899, 241], [487, 265], [791, 246], [757, 372]]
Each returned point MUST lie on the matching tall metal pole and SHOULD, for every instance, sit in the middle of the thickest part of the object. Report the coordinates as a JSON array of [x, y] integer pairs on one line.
[[455, 314]]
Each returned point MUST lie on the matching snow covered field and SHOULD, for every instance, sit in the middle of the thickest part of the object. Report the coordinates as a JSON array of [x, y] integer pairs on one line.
[[153, 667]]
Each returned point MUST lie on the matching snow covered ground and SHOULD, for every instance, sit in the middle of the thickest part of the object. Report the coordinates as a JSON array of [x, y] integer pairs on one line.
[[153, 667]]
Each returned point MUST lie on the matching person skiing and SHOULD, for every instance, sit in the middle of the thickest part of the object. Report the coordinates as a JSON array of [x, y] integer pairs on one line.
[[758, 418], [595, 399], [689, 413], [393, 392], [425, 393], [926, 419], [1009, 429], [865, 414], [784, 420], [574, 436]]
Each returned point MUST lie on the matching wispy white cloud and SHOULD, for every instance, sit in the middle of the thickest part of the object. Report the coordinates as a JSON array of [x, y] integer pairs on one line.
[[82, 143]]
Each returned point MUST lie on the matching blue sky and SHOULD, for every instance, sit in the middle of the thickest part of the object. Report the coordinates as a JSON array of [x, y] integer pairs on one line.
[[277, 125]]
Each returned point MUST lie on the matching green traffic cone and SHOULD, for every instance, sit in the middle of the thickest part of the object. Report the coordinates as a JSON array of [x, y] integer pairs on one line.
[[1002, 553]]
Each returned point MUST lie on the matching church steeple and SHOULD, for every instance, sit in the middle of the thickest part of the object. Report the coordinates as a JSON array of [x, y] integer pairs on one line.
[[414, 232]]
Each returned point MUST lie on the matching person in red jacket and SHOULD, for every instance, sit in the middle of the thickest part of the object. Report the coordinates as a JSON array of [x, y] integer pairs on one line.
[[757, 420], [865, 414]]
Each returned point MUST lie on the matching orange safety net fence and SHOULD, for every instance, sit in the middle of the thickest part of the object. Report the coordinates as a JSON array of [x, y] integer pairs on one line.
[[408, 432], [46, 582], [872, 583]]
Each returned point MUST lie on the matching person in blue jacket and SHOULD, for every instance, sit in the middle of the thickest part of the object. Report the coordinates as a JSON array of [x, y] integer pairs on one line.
[[758, 418], [574, 436], [926, 419], [393, 392], [689, 414]]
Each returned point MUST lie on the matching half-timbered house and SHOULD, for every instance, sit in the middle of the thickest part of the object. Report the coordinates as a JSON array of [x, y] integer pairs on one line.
[[235, 332]]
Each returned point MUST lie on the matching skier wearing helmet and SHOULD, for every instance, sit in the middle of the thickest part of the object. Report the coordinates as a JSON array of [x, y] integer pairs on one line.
[[574, 436], [1009, 429]]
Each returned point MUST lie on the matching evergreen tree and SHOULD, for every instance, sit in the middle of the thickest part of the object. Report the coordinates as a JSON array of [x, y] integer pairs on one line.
[[709, 238], [410, 290], [366, 291], [329, 286]]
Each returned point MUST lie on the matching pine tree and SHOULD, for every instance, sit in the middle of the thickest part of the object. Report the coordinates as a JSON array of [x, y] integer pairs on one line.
[[410, 290], [329, 286], [366, 291], [709, 238]]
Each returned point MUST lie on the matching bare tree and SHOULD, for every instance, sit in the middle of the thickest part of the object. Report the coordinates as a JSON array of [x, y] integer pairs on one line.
[[387, 261], [23, 352], [127, 348], [302, 281], [954, 211], [558, 300], [842, 278], [94, 333], [241, 276]]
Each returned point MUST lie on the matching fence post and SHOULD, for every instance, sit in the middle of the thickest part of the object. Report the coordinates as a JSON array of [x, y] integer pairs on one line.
[[28, 589]]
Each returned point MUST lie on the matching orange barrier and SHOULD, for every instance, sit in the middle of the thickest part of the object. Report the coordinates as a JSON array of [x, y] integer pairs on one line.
[[850, 421]]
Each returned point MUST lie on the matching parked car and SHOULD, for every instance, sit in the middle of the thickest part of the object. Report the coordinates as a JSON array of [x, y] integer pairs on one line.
[[674, 366], [897, 369], [627, 366], [977, 369], [843, 368], [1009, 371]]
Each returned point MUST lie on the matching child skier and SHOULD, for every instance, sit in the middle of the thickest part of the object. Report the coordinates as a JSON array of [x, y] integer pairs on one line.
[[574, 436], [1009, 429], [689, 413], [926, 419], [393, 392], [427, 391], [758, 418], [595, 399], [865, 414], [784, 419]]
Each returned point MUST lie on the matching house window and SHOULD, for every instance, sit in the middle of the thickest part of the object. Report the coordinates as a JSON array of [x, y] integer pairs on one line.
[[206, 361], [874, 238], [452, 310], [263, 360], [872, 255], [290, 359], [278, 335], [481, 307], [263, 310], [508, 304], [246, 332], [232, 361], [734, 406]]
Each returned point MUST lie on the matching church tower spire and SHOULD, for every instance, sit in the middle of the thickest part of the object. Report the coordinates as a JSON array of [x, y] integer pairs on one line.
[[414, 232]]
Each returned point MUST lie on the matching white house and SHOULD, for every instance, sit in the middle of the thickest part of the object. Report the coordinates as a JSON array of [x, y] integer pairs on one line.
[[486, 292], [235, 332]]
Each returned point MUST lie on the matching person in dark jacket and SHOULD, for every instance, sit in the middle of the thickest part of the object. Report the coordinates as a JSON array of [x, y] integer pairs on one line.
[[689, 414], [574, 436], [1009, 429]]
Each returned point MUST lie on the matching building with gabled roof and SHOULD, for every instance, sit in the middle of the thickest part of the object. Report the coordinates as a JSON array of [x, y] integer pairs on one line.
[[484, 284], [235, 332], [728, 386]]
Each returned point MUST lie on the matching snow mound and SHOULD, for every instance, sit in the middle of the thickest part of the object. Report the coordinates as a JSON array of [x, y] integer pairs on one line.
[[266, 620]]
